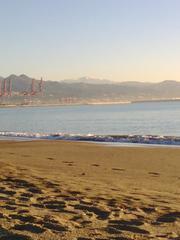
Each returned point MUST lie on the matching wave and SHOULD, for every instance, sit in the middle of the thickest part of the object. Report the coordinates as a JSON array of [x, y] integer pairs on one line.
[[138, 139]]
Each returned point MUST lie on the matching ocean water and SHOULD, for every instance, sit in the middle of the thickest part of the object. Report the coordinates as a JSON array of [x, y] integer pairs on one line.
[[139, 122]]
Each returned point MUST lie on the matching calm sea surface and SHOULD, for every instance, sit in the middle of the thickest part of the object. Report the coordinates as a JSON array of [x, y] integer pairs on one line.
[[157, 118]]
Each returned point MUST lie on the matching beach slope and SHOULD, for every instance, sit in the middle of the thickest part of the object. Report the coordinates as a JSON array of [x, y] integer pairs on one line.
[[80, 191]]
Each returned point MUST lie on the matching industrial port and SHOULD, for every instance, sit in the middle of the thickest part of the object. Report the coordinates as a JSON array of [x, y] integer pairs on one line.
[[33, 94], [6, 89]]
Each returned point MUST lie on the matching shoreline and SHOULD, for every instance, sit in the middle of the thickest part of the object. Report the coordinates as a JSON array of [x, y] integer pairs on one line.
[[63, 105], [107, 140], [89, 103], [104, 144]]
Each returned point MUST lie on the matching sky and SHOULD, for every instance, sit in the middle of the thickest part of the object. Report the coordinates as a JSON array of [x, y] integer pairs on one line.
[[120, 40]]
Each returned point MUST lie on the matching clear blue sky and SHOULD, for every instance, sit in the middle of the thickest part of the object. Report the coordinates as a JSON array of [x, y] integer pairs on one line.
[[113, 39]]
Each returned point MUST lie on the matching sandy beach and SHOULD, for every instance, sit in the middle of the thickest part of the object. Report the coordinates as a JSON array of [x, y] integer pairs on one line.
[[80, 191]]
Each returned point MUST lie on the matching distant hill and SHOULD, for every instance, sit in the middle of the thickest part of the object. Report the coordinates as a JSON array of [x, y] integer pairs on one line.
[[88, 80], [20, 83], [96, 89]]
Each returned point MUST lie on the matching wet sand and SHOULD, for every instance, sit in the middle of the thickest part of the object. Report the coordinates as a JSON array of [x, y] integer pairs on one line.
[[80, 191]]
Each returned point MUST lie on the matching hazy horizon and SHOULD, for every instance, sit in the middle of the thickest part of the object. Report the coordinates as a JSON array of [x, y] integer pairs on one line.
[[118, 40], [85, 78]]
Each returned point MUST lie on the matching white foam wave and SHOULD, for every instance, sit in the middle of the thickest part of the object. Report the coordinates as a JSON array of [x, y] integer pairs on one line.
[[138, 139]]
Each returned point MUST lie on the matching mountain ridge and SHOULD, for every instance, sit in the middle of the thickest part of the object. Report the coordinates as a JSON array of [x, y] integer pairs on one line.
[[83, 90], [89, 80]]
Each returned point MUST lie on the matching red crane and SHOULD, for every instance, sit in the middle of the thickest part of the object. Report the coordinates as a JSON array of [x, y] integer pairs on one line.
[[32, 88], [10, 88], [4, 88], [41, 86]]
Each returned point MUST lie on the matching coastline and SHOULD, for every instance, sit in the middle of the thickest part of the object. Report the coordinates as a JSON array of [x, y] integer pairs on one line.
[[60, 105], [89, 103], [76, 190], [104, 144], [111, 140]]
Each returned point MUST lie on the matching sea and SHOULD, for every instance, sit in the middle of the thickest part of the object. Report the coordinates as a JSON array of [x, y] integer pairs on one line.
[[139, 123]]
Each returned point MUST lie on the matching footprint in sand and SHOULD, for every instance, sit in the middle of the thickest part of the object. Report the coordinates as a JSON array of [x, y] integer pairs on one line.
[[101, 213], [49, 184], [169, 217], [23, 217], [74, 192], [55, 227], [118, 169], [155, 174], [28, 195], [11, 208], [116, 226], [95, 165], [52, 223], [69, 162], [7, 235], [112, 202], [18, 183], [50, 158], [29, 227], [23, 199], [35, 190], [21, 211], [6, 191], [55, 204], [148, 209]]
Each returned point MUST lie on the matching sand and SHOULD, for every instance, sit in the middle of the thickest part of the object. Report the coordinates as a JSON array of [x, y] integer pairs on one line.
[[79, 191]]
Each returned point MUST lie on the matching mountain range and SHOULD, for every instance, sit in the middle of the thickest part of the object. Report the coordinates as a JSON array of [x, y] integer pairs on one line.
[[87, 88]]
